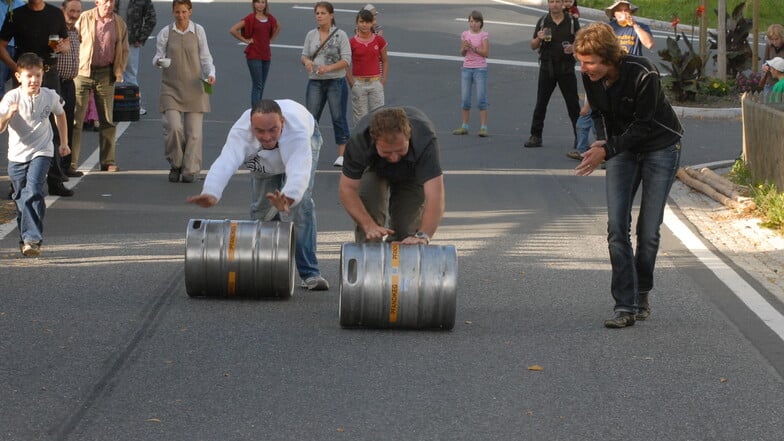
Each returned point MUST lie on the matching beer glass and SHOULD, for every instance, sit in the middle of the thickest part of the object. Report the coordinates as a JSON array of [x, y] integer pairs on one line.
[[54, 40]]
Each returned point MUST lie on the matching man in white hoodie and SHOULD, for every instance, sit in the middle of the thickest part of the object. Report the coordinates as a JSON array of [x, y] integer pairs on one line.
[[278, 141]]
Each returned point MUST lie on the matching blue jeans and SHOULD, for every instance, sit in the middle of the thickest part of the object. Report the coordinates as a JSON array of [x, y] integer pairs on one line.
[[131, 74], [258, 76], [335, 93], [632, 273], [303, 214], [469, 77], [584, 128], [28, 179]]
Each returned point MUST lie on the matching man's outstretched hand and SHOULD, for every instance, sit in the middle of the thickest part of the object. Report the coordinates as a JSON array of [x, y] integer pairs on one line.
[[281, 202], [203, 200]]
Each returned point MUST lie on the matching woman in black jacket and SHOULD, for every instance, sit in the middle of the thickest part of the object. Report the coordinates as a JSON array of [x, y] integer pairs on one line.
[[638, 135]]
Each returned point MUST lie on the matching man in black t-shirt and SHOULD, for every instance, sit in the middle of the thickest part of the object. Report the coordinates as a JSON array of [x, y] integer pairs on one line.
[[392, 176], [553, 37], [30, 26]]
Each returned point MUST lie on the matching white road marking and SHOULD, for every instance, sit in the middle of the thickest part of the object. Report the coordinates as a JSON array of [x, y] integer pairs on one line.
[[743, 291], [86, 167]]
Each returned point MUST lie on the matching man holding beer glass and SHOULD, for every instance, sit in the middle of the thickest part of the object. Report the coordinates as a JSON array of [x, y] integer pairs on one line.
[[553, 38], [631, 35]]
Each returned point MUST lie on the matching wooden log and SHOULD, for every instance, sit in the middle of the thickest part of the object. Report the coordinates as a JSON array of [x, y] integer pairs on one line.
[[685, 177], [714, 181], [723, 184]]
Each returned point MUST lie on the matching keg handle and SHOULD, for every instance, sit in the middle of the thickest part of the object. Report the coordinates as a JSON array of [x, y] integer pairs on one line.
[[351, 277]]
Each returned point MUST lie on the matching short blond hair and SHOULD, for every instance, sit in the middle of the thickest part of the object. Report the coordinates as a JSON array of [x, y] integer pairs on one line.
[[389, 121], [775, 30]]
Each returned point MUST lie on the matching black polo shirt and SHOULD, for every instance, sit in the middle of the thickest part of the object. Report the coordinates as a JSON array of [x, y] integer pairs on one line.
[[421, 163], [564, 31], [31, 29]]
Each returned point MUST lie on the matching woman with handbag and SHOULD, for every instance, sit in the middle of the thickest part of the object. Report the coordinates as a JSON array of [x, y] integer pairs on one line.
[[326, 54], [257, 30]]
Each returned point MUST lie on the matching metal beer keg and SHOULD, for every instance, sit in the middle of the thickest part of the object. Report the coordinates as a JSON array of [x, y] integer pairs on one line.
[[229, 258], [390, 285]]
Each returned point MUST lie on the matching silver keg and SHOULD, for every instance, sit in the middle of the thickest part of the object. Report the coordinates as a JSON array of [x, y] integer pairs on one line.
[[230, 258], [391, 285]]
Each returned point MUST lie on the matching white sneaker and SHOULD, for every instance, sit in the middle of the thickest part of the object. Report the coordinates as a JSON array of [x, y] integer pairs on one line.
[[142, 111], [338, 162], [315, 283]]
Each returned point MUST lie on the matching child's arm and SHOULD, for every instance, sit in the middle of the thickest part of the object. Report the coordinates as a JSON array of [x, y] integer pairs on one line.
[[12, 108], [384, 66], [484, 49], [62, 128]]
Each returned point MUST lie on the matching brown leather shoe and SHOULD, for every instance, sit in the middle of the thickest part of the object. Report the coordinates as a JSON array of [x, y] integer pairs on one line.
[[56, 188], [73, 173]]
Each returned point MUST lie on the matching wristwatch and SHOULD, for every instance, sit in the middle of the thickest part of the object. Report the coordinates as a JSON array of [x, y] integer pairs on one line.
[[422, 235]]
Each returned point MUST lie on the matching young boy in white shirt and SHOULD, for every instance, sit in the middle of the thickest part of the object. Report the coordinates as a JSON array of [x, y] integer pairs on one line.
[[24, 111]]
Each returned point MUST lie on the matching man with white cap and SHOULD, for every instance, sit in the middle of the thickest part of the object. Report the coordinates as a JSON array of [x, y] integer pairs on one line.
[[631, 35]]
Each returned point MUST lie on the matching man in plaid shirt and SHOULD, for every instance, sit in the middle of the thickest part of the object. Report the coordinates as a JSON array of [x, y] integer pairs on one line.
[[67, 66]]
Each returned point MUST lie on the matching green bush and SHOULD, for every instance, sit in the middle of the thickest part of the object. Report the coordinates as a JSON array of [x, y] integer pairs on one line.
[[740, 173], [686, 68], [770, 203], [716, 87]]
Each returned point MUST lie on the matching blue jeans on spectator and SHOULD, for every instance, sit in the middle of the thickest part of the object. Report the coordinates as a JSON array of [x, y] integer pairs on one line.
[[470, 77], [335, 93], [632, 273], [303, 214], [258, 76], [28, 179], [131, 74], [584, 128]]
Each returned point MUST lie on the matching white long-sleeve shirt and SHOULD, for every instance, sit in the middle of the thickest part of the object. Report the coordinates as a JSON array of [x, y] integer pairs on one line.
[[293, 156], [205, 58]]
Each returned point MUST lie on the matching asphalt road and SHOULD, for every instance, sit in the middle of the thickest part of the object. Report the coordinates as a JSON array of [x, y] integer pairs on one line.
[[99, 341]]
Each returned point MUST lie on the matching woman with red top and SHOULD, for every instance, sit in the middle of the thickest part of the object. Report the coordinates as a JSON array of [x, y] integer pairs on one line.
[[368, 72], [570, 6], [257, 30]]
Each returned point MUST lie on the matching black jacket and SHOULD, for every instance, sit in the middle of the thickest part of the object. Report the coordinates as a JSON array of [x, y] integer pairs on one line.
[[140, 19], [633, 114]]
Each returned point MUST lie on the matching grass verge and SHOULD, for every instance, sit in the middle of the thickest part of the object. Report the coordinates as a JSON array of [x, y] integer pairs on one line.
[[770, 203]]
